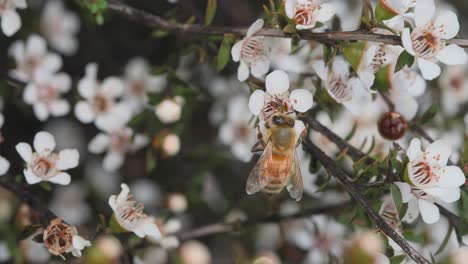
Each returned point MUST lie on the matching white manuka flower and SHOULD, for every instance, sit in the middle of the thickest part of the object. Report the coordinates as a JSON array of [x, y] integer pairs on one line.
[[430, 179], [100, 104], [349, 91], [44, 94], [427, 41], [11, 21], [454, 85], [306, 13], [251, 52], [60, 238], [32, 57], [277, 97], [4, 163], [236, 131], [130, 216], [117, 142], [140, 82], [44, 164], [60, 27]]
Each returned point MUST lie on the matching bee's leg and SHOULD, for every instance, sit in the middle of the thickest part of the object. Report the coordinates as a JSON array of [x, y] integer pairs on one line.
[[303, 135], [260, 145]]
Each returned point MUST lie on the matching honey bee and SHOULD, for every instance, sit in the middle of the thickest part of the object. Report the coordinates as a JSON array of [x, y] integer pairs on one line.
[[278, 166]]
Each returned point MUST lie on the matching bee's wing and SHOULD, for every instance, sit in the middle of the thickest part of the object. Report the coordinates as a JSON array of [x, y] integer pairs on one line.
[[295, 185], [253, 181]]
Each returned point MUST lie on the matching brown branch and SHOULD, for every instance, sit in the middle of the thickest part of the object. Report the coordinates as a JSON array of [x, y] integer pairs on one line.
[[153, 21], [330, 165]]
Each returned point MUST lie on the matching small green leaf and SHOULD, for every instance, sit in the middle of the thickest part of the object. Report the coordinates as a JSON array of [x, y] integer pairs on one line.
[[150, 160], [353, 53], [351, 133], [210, 11], [382, 79], [429, 114], [405, 59], [395, 191], [99, 19], [160, 33], [383, 13], [115, 226], [289, 28], [224, 54], [46, 186], [329, 53]]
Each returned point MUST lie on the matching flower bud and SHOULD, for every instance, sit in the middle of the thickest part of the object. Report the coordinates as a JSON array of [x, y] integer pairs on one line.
[[171, 145], [177, 203], [194, 252], [169, 110], [392, 126], [364, 248]]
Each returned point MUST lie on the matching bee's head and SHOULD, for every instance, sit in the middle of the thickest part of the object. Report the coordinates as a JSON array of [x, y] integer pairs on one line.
[[282, 120]]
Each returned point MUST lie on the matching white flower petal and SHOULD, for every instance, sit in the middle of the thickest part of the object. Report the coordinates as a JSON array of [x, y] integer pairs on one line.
[[451, 176], [290, 6], [44, 141], [148, 228], [41, 111], [62, 178], [68, 159], [113, 161], [25, 151], [299, 127], [429, 69], [113, 202], [320, 69], [302, 100], [236, 51], [260, 67], [256, 101], [277, 82], [327, 11], [84, 112], [407, 105], [112, 87], [99, 143], [11, 22], [406, 40], [423, 12], [449, 22], [4, 165], [429, 212], [31, 178], [243, 71], [21, 4], [405, 190], [30, 93], [439, 152], [256, 26], [452, 55], [59, 107], [80, 243], [51, 63], [414, 149], [449, 195], [412, 213], [340, 67]]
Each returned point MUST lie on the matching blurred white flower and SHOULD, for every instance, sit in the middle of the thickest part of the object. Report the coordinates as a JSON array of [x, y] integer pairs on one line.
[[431, 179], [32, 57], [169, 110], [368, 246], [70, 203], [60, 26], [129, 214], [427, 41], [139, 82], [100, 101], [251, 52], [44, 94], [4, 163], [60, 238], [177, 203], [236, 131], [454, 86], [194, 252], [346, 90], [44, 164], [11, 21], [147, 193], [117, 143], [103, 182], [459, 256], [306, 13], [171, 145], [4, 252], [277, 97], [153, 255]]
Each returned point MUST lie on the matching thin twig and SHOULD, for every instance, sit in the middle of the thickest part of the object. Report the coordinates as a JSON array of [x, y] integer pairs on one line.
[[154, 21]]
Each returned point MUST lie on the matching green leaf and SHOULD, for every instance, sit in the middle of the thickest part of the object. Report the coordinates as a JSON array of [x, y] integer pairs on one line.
[[160, 33], [115, 226], [210, 11], [46, 186], [151, 161], [395, 191], [382, 79], [383, 13], [429, 114], [397, 259], [329, 53], [99, 19], [289, 28], [224, 54], [405, 59], [353, 53], [352, 132]]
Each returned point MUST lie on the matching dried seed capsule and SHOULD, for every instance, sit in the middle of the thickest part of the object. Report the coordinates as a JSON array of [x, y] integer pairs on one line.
[[392, 126]]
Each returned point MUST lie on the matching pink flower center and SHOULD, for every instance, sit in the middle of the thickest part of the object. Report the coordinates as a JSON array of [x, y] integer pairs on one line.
[[101, 103], [44, 166], [120, 140], [305, 14], [130, 212], [422, 173], [426, 42], [47, 93], [138, 88], [5, 5], [339, 89], [58, 238], [252, 48], [379, 59], [276, 104]]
